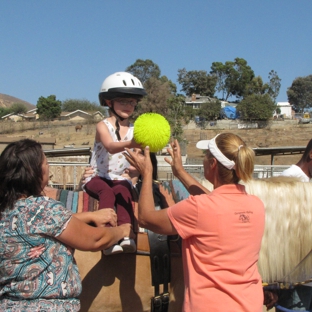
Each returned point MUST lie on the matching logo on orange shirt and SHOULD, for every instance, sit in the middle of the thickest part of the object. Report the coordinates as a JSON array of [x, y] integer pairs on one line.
[[244, 218]]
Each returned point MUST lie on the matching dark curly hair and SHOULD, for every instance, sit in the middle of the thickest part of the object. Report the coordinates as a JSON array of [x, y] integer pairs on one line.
[[20, 172], [306, 155]]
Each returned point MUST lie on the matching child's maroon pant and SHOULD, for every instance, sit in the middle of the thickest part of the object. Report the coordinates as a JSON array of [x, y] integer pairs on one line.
[[113, 193]]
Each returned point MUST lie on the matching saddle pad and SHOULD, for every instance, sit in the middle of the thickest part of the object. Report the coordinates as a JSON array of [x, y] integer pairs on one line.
[[173, 191], [76, 201]]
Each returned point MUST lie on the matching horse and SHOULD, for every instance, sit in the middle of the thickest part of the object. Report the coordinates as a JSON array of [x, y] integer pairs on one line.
[[123, 282], [78, 127], [285, 258]]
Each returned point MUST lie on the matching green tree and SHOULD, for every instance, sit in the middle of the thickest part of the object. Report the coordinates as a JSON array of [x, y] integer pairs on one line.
[[188, 113], [173, 86], [144, 70], [219, 71], [300, 93], [161, 96], [256, 86], [256, 107], [232, 77], [158, 93], [4, 111], [278, 110], [159, 88], [18, 108], [176, 115], [197, 81], [274, 85], [210, 110], [49, 108], [71, 105]]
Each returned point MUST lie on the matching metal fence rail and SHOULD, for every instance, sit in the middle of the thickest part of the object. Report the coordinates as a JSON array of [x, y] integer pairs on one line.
[[260, 171], [68, 175]]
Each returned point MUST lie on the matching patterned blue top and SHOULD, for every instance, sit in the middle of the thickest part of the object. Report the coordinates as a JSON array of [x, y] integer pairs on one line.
[[36, 270]]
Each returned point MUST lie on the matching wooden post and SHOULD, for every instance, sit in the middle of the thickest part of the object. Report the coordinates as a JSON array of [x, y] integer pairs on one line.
[[64, 178]]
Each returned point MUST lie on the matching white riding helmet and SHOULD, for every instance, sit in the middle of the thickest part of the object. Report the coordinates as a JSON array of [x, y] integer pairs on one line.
[[121, 84]]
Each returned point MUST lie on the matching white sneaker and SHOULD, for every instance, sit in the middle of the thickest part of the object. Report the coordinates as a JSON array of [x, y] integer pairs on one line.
[[128, 245], [115, 249]]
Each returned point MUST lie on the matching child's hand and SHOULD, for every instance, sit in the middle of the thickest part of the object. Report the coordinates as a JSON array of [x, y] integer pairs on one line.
[[134, 144], [88, 172]]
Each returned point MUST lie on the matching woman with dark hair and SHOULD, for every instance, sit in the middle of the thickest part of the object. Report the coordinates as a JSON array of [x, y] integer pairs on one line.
[[303, 168], [38, 236]]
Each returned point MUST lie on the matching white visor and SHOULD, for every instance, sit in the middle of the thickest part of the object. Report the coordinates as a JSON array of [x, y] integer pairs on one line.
[[213, 148]]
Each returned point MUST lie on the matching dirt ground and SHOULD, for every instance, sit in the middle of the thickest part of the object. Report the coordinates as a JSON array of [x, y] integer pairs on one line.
[[288, 135]]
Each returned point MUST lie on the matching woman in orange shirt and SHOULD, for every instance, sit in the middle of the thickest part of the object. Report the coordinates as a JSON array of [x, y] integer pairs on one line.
[[221, 230]]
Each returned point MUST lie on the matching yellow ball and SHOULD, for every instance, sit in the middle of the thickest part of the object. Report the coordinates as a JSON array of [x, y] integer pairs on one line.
[[153, 130]]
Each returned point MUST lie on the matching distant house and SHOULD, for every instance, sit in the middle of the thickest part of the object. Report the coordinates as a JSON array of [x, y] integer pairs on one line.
[[196, 100], [79, 115], [32, 111], [98, 116], [30, 115], [12, 117], [286, 109]]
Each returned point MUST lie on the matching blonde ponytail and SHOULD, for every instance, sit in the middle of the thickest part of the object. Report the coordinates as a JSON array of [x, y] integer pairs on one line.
[[234, 148]]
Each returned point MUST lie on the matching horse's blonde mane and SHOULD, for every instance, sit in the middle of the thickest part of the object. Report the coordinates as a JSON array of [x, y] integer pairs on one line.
[[287, 239]]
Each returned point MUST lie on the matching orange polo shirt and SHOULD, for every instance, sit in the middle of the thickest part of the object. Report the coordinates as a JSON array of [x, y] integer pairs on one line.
[[221, 235]]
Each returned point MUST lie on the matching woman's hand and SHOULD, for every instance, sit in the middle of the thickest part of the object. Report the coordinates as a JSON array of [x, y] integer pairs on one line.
[[193, 186], [82, 236], [141, 162], [103, 216], [176, 159]]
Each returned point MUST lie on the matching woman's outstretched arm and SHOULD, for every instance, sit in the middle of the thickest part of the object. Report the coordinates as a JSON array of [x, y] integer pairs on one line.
[[149, 218], [190, 183]]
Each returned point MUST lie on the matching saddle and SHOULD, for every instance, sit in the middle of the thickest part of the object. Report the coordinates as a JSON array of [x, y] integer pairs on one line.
[[159, 252]]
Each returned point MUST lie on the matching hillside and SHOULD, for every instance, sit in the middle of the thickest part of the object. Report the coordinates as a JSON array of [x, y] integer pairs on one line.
[[282, 134], [287, 135], [8, 100]]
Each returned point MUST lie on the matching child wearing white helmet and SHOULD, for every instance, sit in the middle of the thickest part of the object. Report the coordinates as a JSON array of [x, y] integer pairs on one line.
[[121, 92]]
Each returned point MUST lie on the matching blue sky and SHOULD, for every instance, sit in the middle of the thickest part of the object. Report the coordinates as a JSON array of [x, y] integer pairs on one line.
[[68, 47]]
